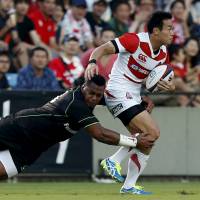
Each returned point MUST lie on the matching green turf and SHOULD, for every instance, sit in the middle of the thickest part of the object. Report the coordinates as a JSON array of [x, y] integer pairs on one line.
[[95, 191]]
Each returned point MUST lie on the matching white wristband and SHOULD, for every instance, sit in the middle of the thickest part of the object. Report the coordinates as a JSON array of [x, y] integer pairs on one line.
[[127, 141]]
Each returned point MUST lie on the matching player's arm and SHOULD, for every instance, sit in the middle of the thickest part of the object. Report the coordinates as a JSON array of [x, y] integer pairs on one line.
[[108, 136], [105, 49], [126, 43]]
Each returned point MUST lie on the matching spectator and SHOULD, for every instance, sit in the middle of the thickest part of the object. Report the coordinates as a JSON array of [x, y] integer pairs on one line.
[[120, 19], [186, 71], [4, 67], [58, 15], [195, 11], [44, 24], [68, 67], [177, 61], [94, 17], [192, 50], [25, 26], [28, 36], [144, 10], [7, 19], [105, 63], [37, 76], [180, 15], [75, 23]]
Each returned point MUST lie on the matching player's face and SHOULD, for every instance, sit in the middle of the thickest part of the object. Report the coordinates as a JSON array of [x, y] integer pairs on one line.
[[93, 94], [167, 33]]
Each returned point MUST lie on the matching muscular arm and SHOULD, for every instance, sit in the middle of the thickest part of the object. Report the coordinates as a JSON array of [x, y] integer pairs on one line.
[[105, 49], [108, 136]]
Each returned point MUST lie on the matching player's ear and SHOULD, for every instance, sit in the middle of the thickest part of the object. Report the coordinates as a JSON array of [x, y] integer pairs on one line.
[[156, 30]]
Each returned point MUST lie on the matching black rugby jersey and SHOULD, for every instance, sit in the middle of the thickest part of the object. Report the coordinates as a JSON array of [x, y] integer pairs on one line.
[[57, 120]]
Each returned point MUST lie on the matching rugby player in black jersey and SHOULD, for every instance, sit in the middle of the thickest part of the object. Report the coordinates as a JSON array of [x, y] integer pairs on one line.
[[27, 133]]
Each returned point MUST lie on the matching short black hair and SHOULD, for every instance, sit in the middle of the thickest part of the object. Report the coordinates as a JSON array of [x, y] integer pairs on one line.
[[38, 49], [4, 53], [156, 20], [61, 4], [21, 1], [98, 80], [68, 38], [175, 2], [115, 4]]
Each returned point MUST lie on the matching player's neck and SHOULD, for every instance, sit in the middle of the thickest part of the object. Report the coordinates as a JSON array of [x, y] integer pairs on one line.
[[155, 43]]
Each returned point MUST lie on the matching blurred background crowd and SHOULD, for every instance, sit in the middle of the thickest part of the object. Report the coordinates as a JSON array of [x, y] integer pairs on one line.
[[46, 44]]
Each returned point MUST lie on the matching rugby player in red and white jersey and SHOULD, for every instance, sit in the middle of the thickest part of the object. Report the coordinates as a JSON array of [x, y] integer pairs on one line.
[[138, 54]]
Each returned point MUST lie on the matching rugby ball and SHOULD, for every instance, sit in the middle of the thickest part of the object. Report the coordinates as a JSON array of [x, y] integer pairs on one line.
[[164, 72]]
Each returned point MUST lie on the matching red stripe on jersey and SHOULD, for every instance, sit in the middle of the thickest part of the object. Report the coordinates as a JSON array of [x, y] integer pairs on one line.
[[161, 55], [134, 158], [108, 94], [145, 48], [130, 41], [136, 69], [130, 79]]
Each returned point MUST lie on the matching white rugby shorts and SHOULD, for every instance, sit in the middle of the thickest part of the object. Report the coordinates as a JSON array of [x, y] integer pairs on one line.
[[118, 101]]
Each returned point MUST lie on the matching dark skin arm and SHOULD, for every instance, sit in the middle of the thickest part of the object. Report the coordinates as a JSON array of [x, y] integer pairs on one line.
[[108, 136]]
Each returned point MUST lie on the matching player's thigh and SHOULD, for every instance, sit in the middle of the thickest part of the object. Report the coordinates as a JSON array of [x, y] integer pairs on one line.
[[145, 123]]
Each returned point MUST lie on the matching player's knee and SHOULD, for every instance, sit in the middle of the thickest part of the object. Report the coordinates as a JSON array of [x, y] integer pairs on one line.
[[154, 132]]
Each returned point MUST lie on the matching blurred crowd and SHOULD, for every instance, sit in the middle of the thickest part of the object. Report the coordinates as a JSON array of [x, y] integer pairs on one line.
[[46, 44]]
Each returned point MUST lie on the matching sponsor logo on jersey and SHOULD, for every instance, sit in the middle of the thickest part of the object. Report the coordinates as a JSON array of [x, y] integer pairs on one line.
[[115, 109], [142, 58], [136, 68]]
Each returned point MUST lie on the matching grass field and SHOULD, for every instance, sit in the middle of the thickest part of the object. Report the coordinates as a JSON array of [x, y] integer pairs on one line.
[[96, 191]]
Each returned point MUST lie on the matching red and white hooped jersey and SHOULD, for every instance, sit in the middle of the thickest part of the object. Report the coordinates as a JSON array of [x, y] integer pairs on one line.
[[135, 60]]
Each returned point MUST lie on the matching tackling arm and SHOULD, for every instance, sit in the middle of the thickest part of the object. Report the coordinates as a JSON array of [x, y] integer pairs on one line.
[[113, 138]]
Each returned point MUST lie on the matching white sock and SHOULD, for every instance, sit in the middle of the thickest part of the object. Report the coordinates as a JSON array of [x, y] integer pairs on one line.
[[136, 164], [121, 154]]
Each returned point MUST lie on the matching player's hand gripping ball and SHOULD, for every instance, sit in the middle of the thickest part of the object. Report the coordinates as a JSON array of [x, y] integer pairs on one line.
[[161, 72]]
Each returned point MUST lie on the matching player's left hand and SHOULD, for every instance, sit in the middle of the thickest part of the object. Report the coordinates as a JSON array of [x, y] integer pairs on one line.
[[91, 70], [168, 86]]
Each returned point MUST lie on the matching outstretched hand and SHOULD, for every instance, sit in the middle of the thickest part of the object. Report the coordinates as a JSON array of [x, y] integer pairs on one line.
[[91, 70]]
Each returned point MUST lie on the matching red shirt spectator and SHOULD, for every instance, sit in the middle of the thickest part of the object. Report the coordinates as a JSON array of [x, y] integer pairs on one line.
[[33, 6], [45, 26], [66, 70]]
